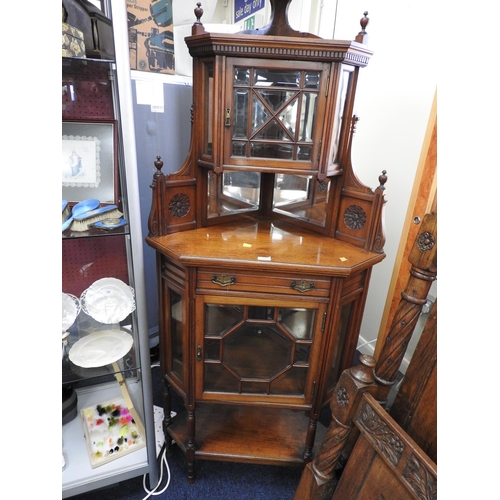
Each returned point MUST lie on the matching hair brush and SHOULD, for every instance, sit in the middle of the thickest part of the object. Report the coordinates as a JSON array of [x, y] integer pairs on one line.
[[83, 221]]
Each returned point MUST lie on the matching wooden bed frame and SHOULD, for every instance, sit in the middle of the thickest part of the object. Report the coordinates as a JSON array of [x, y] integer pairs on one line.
[[371, 451]]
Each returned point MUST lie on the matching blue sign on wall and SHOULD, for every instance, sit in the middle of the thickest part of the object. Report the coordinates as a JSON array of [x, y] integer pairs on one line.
[[245, 8]]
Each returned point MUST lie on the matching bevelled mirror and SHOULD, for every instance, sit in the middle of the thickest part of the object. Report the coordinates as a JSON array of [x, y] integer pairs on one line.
[[233, 192], [302, 197]]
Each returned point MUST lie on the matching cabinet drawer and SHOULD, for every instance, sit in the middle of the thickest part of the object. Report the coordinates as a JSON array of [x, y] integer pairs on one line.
[[292, 284]]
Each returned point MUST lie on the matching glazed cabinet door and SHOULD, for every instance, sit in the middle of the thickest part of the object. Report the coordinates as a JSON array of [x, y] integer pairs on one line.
[[273, 113], [257, 350]]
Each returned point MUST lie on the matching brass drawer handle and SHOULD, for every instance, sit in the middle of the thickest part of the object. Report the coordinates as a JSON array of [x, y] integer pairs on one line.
[[302, 286], [223, 280]]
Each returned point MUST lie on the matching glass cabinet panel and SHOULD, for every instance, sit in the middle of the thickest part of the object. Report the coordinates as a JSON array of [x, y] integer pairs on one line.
[[176, 333], [273, 112], [257, 349]]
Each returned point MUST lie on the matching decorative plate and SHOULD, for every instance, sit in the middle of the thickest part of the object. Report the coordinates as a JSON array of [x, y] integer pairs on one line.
[[101, 348], [70, 309], [108, 300]]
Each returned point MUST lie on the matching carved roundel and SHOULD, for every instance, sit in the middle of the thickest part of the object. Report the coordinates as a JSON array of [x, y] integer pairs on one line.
[[342, 397], [354, 217], [179, 205], [425, 241]]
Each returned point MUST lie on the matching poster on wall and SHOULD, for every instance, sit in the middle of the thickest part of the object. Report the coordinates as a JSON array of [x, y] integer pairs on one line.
[[245, 8], [151, 35]]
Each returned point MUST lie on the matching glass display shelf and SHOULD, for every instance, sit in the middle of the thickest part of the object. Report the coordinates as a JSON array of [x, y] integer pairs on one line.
[[92, 233], [77, 376], [68, 61]]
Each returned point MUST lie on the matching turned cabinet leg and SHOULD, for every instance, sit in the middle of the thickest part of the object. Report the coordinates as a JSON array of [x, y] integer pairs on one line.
[[167, 420], [311, 434], [190, 451]]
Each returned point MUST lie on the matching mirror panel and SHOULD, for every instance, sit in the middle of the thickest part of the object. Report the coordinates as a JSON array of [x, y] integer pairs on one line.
[[233, 192], [301, 197]]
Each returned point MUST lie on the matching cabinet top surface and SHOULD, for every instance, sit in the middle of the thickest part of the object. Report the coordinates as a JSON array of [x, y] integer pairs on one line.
[[262, 243]]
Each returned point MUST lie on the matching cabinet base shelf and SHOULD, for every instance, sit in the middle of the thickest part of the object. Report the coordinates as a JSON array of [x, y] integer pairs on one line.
[[247, 434]]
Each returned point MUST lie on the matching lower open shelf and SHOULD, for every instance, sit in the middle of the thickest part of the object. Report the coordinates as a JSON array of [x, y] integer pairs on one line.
[[78, 475], [252, 434]]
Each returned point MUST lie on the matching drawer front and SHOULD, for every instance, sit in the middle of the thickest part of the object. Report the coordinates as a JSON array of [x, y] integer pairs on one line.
[[239, 281]]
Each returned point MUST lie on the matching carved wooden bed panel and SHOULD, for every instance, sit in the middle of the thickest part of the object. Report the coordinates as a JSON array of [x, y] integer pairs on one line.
[[383, 453], [385, 464]]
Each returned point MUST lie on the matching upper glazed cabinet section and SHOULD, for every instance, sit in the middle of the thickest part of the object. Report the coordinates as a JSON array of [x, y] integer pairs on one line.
[[271, 113], [270, 108]]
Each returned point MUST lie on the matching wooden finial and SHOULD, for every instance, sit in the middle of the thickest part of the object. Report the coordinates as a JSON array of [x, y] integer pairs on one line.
[[362, 36], [364, 22], [382, 179], [198, 12], [197, 27], [158, 164], [363, 371]]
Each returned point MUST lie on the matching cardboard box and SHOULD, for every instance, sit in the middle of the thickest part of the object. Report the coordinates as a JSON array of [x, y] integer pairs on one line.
[[73, 44], [151, 35]]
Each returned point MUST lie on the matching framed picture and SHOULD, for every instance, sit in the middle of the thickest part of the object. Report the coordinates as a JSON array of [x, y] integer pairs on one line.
[[89, 161]]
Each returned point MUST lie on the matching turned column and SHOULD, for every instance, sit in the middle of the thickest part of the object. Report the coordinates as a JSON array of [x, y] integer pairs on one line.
[[423, 259]]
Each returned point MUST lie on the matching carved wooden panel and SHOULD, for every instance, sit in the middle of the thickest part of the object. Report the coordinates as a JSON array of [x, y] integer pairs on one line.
[[385, 462]]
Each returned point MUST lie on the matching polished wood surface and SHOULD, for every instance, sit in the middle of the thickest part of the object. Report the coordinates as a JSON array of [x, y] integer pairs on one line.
[[265, 244], [247, 434]]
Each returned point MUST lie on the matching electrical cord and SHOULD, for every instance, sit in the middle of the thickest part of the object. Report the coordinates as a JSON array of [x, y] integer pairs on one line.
[[163, 461], [366, 343], [153, 492]]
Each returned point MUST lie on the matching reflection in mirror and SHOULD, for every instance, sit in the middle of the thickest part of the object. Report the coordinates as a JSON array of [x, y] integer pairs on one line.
[[301, 197], [233, 192]]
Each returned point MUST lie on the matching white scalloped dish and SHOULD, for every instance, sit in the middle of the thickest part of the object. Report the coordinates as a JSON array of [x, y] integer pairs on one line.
[[70, 309], [108, 300], [101, 348]]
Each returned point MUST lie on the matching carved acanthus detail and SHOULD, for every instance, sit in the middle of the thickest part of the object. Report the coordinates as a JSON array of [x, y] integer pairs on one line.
[[381, 435], [421, 482]]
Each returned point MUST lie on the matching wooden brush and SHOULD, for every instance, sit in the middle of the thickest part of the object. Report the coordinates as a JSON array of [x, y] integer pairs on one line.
[[83, 221]]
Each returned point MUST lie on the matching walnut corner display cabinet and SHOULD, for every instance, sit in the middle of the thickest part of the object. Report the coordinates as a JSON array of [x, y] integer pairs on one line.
[[265, 240]]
